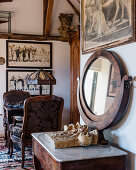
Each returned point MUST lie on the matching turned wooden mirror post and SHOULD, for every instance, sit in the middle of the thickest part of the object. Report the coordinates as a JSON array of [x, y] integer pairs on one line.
[[110, 90]]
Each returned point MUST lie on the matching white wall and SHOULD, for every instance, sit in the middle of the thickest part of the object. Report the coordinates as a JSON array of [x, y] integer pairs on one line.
[[61, 66], [123, 134], [28, 16]]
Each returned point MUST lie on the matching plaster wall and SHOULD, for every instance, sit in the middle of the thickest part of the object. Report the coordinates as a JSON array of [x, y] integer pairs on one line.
[[28, 16], [123, 134]]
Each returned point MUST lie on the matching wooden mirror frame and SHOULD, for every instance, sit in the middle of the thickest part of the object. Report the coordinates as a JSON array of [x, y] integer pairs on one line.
[[120, 103]]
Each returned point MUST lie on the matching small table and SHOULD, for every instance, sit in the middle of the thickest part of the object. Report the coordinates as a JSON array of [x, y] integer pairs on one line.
[[76, 158], [9, 112]]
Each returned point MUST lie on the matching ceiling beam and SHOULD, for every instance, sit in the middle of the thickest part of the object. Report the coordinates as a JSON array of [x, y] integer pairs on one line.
[[74, 8], [47, 15], [31, 37], [1, 1], [45, 6]]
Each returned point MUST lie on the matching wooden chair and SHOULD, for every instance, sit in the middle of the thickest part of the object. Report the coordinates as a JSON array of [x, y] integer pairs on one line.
[[41, 114], [12, 97]]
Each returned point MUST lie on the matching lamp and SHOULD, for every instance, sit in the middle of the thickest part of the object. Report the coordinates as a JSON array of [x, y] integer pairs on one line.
[[41, 77]]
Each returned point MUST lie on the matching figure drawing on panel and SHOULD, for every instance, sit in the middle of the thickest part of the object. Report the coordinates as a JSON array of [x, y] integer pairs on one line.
[[106, 21], [21, 54]]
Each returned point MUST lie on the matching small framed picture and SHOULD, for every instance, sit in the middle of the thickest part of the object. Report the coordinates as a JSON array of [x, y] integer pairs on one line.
[[17, 80], [112, 85], [27, 54]]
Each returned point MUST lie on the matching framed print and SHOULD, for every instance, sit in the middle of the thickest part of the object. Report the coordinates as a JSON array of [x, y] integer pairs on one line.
[[26, 54], [112, 85], [17, 80], [107, 23]]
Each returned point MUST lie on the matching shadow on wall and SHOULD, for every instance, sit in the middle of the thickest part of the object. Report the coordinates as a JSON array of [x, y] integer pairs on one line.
[[131, 157], [130, 160], [65, 118], [125, 117], [107, 132]]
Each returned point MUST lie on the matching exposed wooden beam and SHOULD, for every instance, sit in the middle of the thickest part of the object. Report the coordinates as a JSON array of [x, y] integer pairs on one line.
[[1, 1], [1, 22], [74, 8], [48, 14], [31, 37], [45, 6]]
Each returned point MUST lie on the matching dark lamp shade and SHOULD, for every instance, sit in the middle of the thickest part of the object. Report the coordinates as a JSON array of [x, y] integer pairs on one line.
[[41, 77]]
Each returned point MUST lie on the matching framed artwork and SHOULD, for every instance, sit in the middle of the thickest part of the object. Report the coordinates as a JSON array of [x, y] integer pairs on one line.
[[26, 54], [112, 85], [107, 23], [17, 80]]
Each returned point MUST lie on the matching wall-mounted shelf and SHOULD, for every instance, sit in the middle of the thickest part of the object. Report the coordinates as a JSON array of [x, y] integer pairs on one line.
[[5, 17]]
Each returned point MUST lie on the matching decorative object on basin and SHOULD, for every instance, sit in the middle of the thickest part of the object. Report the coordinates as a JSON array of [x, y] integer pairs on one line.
[[72, 136], [65, 29]]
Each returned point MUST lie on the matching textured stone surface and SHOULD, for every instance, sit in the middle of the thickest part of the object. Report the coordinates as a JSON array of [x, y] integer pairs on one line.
[[73, 135]]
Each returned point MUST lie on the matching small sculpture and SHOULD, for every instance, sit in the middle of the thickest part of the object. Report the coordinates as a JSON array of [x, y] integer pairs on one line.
[[65, 29], [73, 135]]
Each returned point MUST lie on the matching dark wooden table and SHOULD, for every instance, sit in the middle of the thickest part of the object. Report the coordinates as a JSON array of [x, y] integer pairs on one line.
[[76, 158], [9, 112]]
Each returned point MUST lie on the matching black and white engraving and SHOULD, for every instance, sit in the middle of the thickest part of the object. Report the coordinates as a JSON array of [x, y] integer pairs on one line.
[[105, 21], [17, 80], [29, 54]]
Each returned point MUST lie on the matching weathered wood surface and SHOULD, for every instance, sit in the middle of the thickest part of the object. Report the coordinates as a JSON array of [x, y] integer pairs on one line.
[[74, 8], [45, 6], [74, 41], [1, 1], [31, 37], [47, 22]]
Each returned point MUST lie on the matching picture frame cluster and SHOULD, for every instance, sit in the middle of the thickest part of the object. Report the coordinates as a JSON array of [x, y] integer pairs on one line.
[[22, 56]]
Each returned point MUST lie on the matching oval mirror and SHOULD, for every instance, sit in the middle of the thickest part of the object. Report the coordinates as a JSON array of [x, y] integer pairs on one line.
[[103, 90], [99, 86]]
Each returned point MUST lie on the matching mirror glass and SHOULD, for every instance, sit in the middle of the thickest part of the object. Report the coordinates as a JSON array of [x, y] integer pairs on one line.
[[100, 86]]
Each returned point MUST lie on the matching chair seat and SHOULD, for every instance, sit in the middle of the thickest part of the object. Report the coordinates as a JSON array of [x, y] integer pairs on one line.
[[19, 118], [17, 131]]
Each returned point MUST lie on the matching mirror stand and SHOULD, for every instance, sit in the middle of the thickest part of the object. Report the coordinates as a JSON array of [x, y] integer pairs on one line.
[[109, 93]]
